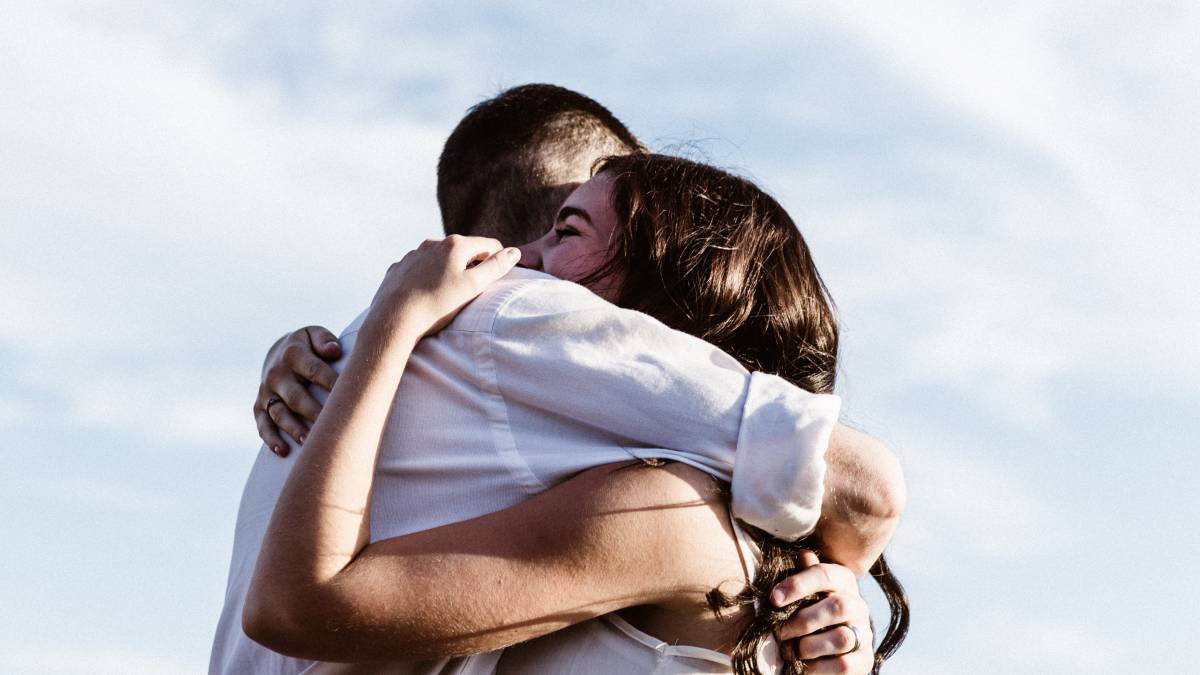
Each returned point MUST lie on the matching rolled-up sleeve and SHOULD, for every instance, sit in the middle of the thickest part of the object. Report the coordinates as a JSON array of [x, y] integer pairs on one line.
[[559, 348]]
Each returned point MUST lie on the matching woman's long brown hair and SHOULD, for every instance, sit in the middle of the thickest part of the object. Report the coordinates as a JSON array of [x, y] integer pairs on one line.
[[709, 253]]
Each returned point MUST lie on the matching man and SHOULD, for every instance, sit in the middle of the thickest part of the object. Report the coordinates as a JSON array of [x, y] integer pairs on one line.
[[503, 173], [508, 164]]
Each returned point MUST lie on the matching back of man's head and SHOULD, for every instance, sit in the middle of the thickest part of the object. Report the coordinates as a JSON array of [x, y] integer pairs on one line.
[[511, 161]]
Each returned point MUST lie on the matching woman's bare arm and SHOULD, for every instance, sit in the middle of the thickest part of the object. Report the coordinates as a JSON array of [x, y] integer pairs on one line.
[[612, 537], [321, 521]]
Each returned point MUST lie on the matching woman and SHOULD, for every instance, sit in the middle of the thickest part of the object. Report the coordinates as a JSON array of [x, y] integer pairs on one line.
[[700, 250]]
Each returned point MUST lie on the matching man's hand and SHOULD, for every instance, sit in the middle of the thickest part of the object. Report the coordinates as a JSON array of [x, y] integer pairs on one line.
[[284, 403], [832, 635]]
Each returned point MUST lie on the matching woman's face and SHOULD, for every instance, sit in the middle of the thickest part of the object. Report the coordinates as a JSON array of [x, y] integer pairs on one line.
[[578, 242]]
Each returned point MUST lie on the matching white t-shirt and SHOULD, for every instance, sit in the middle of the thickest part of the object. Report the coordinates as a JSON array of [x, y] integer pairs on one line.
[[537, 380]]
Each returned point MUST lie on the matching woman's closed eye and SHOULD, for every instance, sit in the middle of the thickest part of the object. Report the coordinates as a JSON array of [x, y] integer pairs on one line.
[[565, 231]]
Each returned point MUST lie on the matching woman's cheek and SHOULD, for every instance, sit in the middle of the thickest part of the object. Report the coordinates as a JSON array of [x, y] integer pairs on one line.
[[562, 264], [572, 262]]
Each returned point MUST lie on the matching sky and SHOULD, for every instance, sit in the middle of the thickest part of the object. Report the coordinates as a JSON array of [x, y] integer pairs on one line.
[[1000, 196]]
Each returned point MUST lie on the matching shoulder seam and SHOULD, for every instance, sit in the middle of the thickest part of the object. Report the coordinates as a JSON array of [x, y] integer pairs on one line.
[[503, 300]]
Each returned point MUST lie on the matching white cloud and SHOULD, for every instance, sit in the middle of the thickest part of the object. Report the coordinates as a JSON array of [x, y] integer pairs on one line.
[[15, 411], [180, 403], [181, 406], [156, 213], [56, 659], [140, 186], [966, 509], [95, 493], [1016, 643], [1027, 68], [1058, 239], [1054, 646]]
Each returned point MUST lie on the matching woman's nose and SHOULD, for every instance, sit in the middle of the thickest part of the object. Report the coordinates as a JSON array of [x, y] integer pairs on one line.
[[531, 255]]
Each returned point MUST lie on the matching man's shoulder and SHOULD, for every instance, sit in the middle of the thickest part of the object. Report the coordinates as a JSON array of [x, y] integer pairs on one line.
[[525, 293]]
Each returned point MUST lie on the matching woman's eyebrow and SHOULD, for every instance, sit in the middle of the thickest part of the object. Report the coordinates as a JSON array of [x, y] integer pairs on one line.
[[568, 211]]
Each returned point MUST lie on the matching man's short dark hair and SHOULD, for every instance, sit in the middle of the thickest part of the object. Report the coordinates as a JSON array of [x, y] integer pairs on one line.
[[500, 173]]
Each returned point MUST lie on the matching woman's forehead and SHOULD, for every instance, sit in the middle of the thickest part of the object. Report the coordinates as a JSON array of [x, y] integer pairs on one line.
[[595, 199]]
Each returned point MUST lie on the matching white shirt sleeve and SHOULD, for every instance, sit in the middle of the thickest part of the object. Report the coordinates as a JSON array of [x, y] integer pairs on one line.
[[559, 348]]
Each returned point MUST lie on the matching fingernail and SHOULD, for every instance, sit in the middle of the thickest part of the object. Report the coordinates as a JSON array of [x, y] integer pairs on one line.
[[331, 344], [301, 439], [512, 252], [777, 597]]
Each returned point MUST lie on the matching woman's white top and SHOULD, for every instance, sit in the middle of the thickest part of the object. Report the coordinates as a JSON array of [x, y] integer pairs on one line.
[[608, 646], [611, 645], [538, 380]]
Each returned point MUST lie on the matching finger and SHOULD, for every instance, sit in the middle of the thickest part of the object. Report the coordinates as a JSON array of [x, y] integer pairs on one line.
[[787, 651], [833, 610], [833, 642], [298, 401], [467, 252], [288, 422], [324, 343], [820, 578], [269, 433], [316, 371], [850, 664], [463, 245], [494, 267]]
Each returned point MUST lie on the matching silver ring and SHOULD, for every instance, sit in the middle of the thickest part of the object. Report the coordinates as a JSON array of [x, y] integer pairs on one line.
[[270, 402], [857, 644]]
